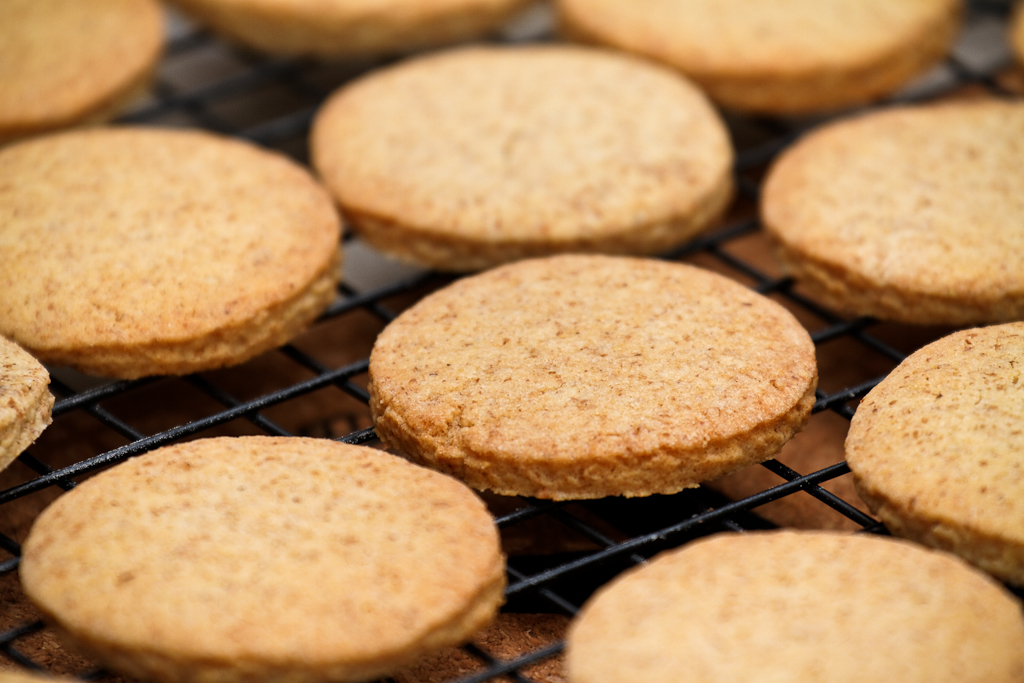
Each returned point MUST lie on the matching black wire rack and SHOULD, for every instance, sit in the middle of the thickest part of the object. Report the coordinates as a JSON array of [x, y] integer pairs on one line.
[[315, 386]]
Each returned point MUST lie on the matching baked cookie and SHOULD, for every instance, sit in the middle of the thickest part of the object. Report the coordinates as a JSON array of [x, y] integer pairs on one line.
[[25, 401], [65, 62], [935, 448], [347, 28], [800, 607], [264, 558], [474, 157], [909, 214], [128, 251], [588, 376], [780, 57]]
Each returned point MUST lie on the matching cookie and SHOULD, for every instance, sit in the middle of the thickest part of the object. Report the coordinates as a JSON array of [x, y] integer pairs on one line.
[[784, 57], [349, 28], [66, 62], [467, 159], [909, 214], [264, 558], [583, 376], [25, 401], [799, 606], [935, 448], [127, 252]]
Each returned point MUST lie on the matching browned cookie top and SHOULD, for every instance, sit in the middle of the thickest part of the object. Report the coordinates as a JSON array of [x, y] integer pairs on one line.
[[64, 62], [260, 558], [910, 214], [588, 376], [135, 251], [479, 156], [935, 448], [799, 607]]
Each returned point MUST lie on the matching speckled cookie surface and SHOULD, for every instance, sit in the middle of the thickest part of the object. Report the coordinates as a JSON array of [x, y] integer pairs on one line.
[[128, 252], [64, 62], [909, 214], [780, 57], [799, 607], [261, 558], [589, 376], [935, 448], [25, 400], [346, 28], [474, 157]]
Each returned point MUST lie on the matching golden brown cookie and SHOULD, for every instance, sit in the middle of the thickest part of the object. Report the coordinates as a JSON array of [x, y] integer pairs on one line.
[[588, 376], [781, 57], [347, 28], [935, 448], [910, 214], [264, 558], [64, 62], [25, 400], [474, 157], [799, 607], [129, 251]]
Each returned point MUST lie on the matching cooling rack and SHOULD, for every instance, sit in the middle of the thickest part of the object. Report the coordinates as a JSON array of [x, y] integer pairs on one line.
[[559, 553]]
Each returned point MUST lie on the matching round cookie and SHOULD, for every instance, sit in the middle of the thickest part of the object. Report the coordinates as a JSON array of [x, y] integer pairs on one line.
[[474, 157], [347, 28], [910, 214], [128, 251], [264, 558], [780, 57], [799, 607], [25, 401], [935, 448], [588, 376], [65, 62]]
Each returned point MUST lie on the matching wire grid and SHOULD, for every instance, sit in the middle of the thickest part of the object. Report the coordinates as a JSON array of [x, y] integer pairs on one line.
[[207, 84]]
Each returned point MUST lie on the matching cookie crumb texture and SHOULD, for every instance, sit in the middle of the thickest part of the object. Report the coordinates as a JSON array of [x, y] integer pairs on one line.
[[935, 448], [263, 558], [910, 214], [25, 400], [589, 376], [333, 29], [475, 157], [799, 607], [66, 62], [782, 57], [127, 252]]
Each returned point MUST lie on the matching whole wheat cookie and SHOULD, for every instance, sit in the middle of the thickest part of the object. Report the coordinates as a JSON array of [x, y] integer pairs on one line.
[[782, 57], [478, 156], [587, 376], [25, 400], [65, 62], [799, 607], [348, 28], [935, 448], [129, 251], [910, 214], [264, 558]]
